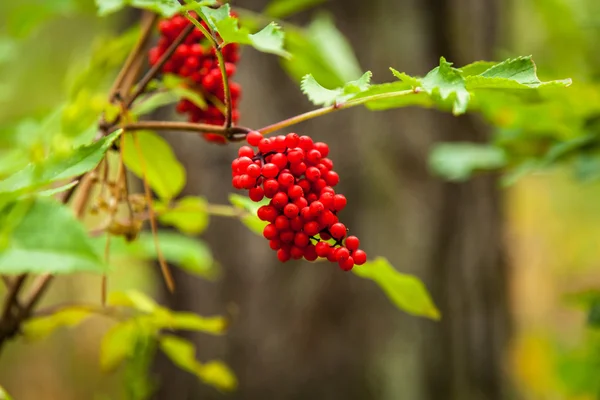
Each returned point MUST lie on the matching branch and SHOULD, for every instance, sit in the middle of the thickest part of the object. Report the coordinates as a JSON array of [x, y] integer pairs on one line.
[[327, 110], [229, 133], [148, 21], [219, 52], [155, 69]]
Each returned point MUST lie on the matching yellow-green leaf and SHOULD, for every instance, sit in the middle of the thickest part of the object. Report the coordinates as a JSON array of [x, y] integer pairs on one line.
[[189, 215], [407, 292], [133, 299], [117, 345], [192, 322], [164, 173], [39, 327], [183, 354], [4, 395]]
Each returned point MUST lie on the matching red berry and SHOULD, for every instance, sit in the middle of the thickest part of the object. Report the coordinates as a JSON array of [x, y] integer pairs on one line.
[[296, 252], [256, 194], [338, 230], [283, 255], [280, 200], [282, 223], [270, 232], [275, 244], [267, 213], [311, 228], [291, 210], [360, 257], [346, 264], [310, 253], [270, 170], [341, 253], [323, 149], [352, 243], [322, 249], [291, 140], [301, 239], [246, 151], [253, 138], [339, 202], [295, 192], [312, 174]]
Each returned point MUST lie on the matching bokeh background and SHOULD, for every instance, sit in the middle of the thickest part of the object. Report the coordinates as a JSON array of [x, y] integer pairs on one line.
[[498, 261]]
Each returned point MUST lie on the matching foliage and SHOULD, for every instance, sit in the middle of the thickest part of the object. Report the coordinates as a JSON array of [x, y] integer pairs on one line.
[[91, 133]]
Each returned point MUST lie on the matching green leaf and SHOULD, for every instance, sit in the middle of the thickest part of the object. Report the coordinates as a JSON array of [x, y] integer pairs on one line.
[[188, 214], [173, 90], [268, 40], [189, 254], [516, 73], [163, 172], [251, 220], [285, 8], [593, 319], [448, 84], [476, 68], [39, 327], [45, 237], [133, 299], [319, 95], [406, 291], [56, 168], [333, 47], [183, 354], [458, 161], [166, 8], [192, 322], [409, 80], [118, 344]]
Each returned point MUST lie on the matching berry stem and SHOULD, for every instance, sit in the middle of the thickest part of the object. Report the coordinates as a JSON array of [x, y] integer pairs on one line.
[[230, 133], [327, 110], [219, 52]]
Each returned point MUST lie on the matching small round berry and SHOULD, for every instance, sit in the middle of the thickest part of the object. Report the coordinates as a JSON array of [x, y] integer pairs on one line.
[[256, 194], [301, 239], [296, 192], [286, 180], [291, 140], [338, 230], [301, 202], [280, 200], [280, 160], [297, 224], [270, 232], [287, 236], [341, 253], [352, 243], [296, 252], [291, 210], [246, 151], [339, 202], [305, 143], [310, 253], [313, 156], [316, 208], [298, 168], [311, 228], [283, 255], [282, 223], [253, 138], [265, 145], [346, 264], [359, 256], [323, 249], [271, 187], [270, 170], [267, 213], [313, 174], [275, 244], [323, 149], [332, 178], [253, 170]]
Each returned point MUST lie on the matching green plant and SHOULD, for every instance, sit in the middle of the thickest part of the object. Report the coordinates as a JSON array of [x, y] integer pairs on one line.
[[92, 140]]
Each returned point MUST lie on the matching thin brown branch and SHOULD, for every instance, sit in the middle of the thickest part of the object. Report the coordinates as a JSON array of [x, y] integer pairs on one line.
[[155, 69], [234, 133], [125, 74], [12, 297]]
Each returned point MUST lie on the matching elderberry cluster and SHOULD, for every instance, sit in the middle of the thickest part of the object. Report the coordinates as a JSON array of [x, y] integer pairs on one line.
[[195, 59], [295, 173]]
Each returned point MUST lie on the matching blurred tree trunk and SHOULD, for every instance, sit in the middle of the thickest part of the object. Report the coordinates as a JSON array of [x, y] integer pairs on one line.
[[307, 331]]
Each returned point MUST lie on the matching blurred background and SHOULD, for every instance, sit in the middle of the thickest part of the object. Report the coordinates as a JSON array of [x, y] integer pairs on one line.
[[499, 262]]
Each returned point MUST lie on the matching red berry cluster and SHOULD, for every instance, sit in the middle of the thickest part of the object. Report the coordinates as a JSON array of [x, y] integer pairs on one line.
[[195, 59], [295, 173]]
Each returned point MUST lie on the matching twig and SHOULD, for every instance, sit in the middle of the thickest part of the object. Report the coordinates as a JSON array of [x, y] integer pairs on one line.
[[155, 69], [12, 296], [229, 133], [148, 21], [326, 110], [219, 52]]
